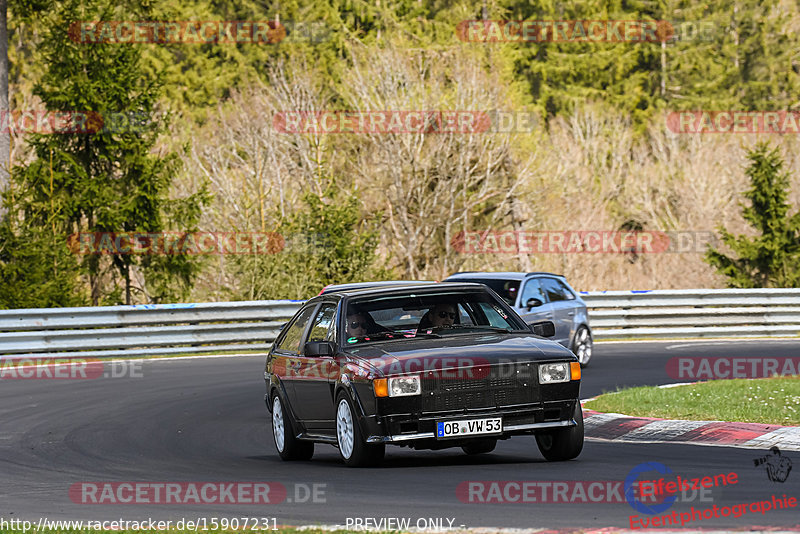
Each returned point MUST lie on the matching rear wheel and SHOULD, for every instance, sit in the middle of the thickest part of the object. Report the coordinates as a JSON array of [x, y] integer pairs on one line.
[[563, 443], [354, 450], [289, 447], [582, 345], [479, 446]]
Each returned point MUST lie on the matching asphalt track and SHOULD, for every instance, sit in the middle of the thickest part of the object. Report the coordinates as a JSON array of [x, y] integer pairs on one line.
[[204, 420]]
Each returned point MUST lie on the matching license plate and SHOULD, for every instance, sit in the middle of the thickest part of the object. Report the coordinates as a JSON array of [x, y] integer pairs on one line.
[[469, 427]]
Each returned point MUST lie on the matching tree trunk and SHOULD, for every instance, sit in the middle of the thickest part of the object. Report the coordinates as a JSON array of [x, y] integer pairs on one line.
[[5, 133]]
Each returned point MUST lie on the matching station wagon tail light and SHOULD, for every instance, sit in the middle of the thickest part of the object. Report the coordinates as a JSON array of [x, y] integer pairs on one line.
[[553, 373]]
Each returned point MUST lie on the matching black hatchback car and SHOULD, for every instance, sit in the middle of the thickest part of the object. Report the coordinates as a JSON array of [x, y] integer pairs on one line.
[[425, 366]]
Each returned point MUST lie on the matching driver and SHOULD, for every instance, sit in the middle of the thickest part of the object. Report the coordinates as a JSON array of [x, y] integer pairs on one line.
[[441, 315], [356, 325]]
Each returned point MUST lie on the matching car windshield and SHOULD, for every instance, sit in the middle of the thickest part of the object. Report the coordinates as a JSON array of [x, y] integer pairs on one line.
[[507, 289], [444, 313]]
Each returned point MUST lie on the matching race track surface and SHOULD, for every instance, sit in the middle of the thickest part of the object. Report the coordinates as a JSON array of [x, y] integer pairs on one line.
[[204, 420]]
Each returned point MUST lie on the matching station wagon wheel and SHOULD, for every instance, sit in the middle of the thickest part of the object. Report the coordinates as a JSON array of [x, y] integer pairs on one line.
[[354, 450], [563, 443], [289, 447], [582, 346]]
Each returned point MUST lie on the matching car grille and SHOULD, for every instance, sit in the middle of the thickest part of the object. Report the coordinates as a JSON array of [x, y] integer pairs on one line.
[[479, 387]]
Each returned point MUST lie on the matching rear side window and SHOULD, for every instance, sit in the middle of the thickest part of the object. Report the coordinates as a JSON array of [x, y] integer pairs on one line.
[[532, 290], [507, 289], [555, 290], [294, 335]]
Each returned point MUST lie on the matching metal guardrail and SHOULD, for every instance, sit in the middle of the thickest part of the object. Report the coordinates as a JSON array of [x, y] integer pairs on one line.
[[156, 329], [225, 327], [694, 313]]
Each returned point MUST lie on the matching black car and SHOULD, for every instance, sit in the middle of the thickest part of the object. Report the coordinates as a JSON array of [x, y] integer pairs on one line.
[[425, 366]]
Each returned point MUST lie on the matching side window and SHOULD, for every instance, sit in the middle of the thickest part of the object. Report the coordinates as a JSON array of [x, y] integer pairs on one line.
[[532, 290], [322, 327], [294, 335], [553, 289], [463, 316], [568, 295]]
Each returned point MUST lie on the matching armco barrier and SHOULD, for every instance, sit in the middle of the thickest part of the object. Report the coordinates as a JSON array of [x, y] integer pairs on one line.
[[156, 329], [694, 313], [225, 327]]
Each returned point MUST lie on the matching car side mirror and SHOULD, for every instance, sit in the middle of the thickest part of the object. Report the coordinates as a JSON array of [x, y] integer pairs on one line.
[[544, 329], [319, 348], [533, 303]]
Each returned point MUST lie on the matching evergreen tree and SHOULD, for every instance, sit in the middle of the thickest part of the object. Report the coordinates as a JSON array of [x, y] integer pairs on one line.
[[103, 177], [772, 259], [325, 242]]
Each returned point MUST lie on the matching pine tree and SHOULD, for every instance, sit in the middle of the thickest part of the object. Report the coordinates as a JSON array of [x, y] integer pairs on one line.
[[103, 177], [771, 259]]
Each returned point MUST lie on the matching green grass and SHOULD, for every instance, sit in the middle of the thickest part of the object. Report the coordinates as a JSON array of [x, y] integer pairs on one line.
[[764, 400]]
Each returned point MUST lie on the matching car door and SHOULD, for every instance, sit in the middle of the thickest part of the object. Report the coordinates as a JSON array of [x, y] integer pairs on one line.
[[563, 308], [286, 354], [313, 400], [533, 289]]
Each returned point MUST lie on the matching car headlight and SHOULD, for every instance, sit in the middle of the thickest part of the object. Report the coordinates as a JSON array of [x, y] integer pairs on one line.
[[401, 386], [553, 373]]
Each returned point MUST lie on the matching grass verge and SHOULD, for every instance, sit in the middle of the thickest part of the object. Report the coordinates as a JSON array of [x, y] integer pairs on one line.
[[763, 400]]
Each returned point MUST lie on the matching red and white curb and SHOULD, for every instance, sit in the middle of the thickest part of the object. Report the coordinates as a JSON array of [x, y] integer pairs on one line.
[[618, 427]]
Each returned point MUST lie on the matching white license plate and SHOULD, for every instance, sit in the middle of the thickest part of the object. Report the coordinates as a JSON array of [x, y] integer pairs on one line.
[[469, 427]]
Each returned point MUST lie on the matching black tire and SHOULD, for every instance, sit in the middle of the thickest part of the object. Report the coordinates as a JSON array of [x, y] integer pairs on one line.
[[563, 443], [350, 439], [479, 446], [289, 447], [582, 345]]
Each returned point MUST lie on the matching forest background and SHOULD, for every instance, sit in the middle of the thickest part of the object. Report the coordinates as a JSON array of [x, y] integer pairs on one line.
[[600, 156]]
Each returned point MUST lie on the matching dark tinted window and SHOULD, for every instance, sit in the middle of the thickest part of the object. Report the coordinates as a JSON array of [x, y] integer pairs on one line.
[[444, 313], [322, 328], [294, 334], [532, 290], [507, 289], [555, 290]]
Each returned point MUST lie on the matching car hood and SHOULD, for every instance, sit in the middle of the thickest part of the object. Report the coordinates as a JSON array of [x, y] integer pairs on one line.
[[467, 350]]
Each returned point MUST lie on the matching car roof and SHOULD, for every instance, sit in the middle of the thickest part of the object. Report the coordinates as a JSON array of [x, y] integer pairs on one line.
[[364, 285], [507, 275], [428, 287]]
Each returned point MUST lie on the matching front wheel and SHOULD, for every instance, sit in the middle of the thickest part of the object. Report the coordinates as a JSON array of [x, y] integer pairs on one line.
[[353, 449], [582, 346], [563, 443], [289, 447]]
